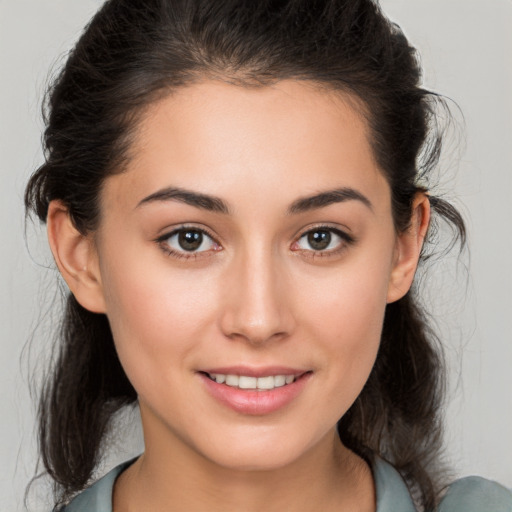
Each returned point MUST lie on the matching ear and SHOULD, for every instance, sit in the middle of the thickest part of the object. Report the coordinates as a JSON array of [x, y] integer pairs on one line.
[[408, 248], [76, 258]]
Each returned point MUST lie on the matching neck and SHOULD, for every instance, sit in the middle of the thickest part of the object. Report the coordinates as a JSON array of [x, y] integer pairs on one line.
[[175, 478]]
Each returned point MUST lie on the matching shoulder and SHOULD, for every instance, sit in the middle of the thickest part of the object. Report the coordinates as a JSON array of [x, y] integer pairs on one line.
[[475, 494], [471, 494], [97, 497]]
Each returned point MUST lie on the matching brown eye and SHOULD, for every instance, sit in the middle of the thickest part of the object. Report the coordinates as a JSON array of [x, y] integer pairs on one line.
[[319, 240], [190, 240], [323, 240]]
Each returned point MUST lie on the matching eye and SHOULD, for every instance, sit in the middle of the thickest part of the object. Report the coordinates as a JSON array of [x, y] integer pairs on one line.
[[188, 240], [323, 239]]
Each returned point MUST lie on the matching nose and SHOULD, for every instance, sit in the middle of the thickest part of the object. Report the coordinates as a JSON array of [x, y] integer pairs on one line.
[[257, 302]]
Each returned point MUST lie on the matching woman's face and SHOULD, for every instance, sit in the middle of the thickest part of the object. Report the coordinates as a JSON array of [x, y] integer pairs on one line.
[[249, 242]]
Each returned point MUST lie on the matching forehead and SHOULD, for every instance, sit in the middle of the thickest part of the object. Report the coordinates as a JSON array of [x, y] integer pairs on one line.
[[285, 140]]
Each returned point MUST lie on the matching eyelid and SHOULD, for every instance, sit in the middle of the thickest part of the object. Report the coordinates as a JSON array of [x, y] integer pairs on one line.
[[344, 232], [182, 254], [346, 238]]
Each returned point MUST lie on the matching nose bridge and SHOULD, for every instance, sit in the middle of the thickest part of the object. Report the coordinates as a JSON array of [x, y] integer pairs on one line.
[[256, 306]]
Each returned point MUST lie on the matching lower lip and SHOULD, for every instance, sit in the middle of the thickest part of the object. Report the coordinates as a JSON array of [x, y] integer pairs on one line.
[[255, 402]]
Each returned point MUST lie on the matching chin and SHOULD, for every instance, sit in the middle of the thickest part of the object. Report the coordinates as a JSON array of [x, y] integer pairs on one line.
[[253, 452], [251, 462]]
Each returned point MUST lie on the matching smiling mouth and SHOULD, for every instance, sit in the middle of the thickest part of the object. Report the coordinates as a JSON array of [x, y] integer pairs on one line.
[[250, 383]]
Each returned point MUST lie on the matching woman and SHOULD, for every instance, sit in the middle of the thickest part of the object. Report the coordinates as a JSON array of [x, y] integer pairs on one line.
[[236, 195]]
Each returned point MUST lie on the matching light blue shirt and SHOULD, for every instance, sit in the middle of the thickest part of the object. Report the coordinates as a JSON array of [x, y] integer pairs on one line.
[[471, 494]]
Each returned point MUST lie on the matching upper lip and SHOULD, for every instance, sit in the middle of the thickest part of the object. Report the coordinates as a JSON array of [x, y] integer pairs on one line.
[[251, 371]]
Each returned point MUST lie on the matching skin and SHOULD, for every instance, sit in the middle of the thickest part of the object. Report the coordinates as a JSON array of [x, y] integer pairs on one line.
[[258, 294]]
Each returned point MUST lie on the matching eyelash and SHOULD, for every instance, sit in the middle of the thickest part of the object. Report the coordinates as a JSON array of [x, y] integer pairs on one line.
[[345, 241], [184, 255]]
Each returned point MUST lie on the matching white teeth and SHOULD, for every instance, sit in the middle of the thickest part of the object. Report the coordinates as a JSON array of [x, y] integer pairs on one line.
[[220, 378], [246, 382], [266, 382], [232, 380], [279, 380]]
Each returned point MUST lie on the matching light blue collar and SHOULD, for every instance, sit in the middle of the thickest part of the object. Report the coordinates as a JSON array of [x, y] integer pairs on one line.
[[391, 491]]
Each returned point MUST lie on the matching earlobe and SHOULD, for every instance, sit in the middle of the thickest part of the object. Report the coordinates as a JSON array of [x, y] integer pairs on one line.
[[408, 249], [76, 258]]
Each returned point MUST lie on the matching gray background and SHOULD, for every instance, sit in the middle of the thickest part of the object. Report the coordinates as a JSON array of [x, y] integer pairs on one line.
[[466, 51]]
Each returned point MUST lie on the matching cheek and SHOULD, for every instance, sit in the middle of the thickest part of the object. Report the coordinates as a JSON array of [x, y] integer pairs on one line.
[[154, 311], [345, 315], [351, 299]]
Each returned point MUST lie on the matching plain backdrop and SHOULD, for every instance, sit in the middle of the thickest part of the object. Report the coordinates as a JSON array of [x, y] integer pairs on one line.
[[466, 48]]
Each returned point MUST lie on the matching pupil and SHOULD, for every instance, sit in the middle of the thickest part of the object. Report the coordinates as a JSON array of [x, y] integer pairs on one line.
[[319, 240], [190, 240]]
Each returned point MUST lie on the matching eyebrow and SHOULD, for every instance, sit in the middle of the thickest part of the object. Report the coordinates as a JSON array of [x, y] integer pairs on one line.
[[216, 204], [202, 201], [323, 199]]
